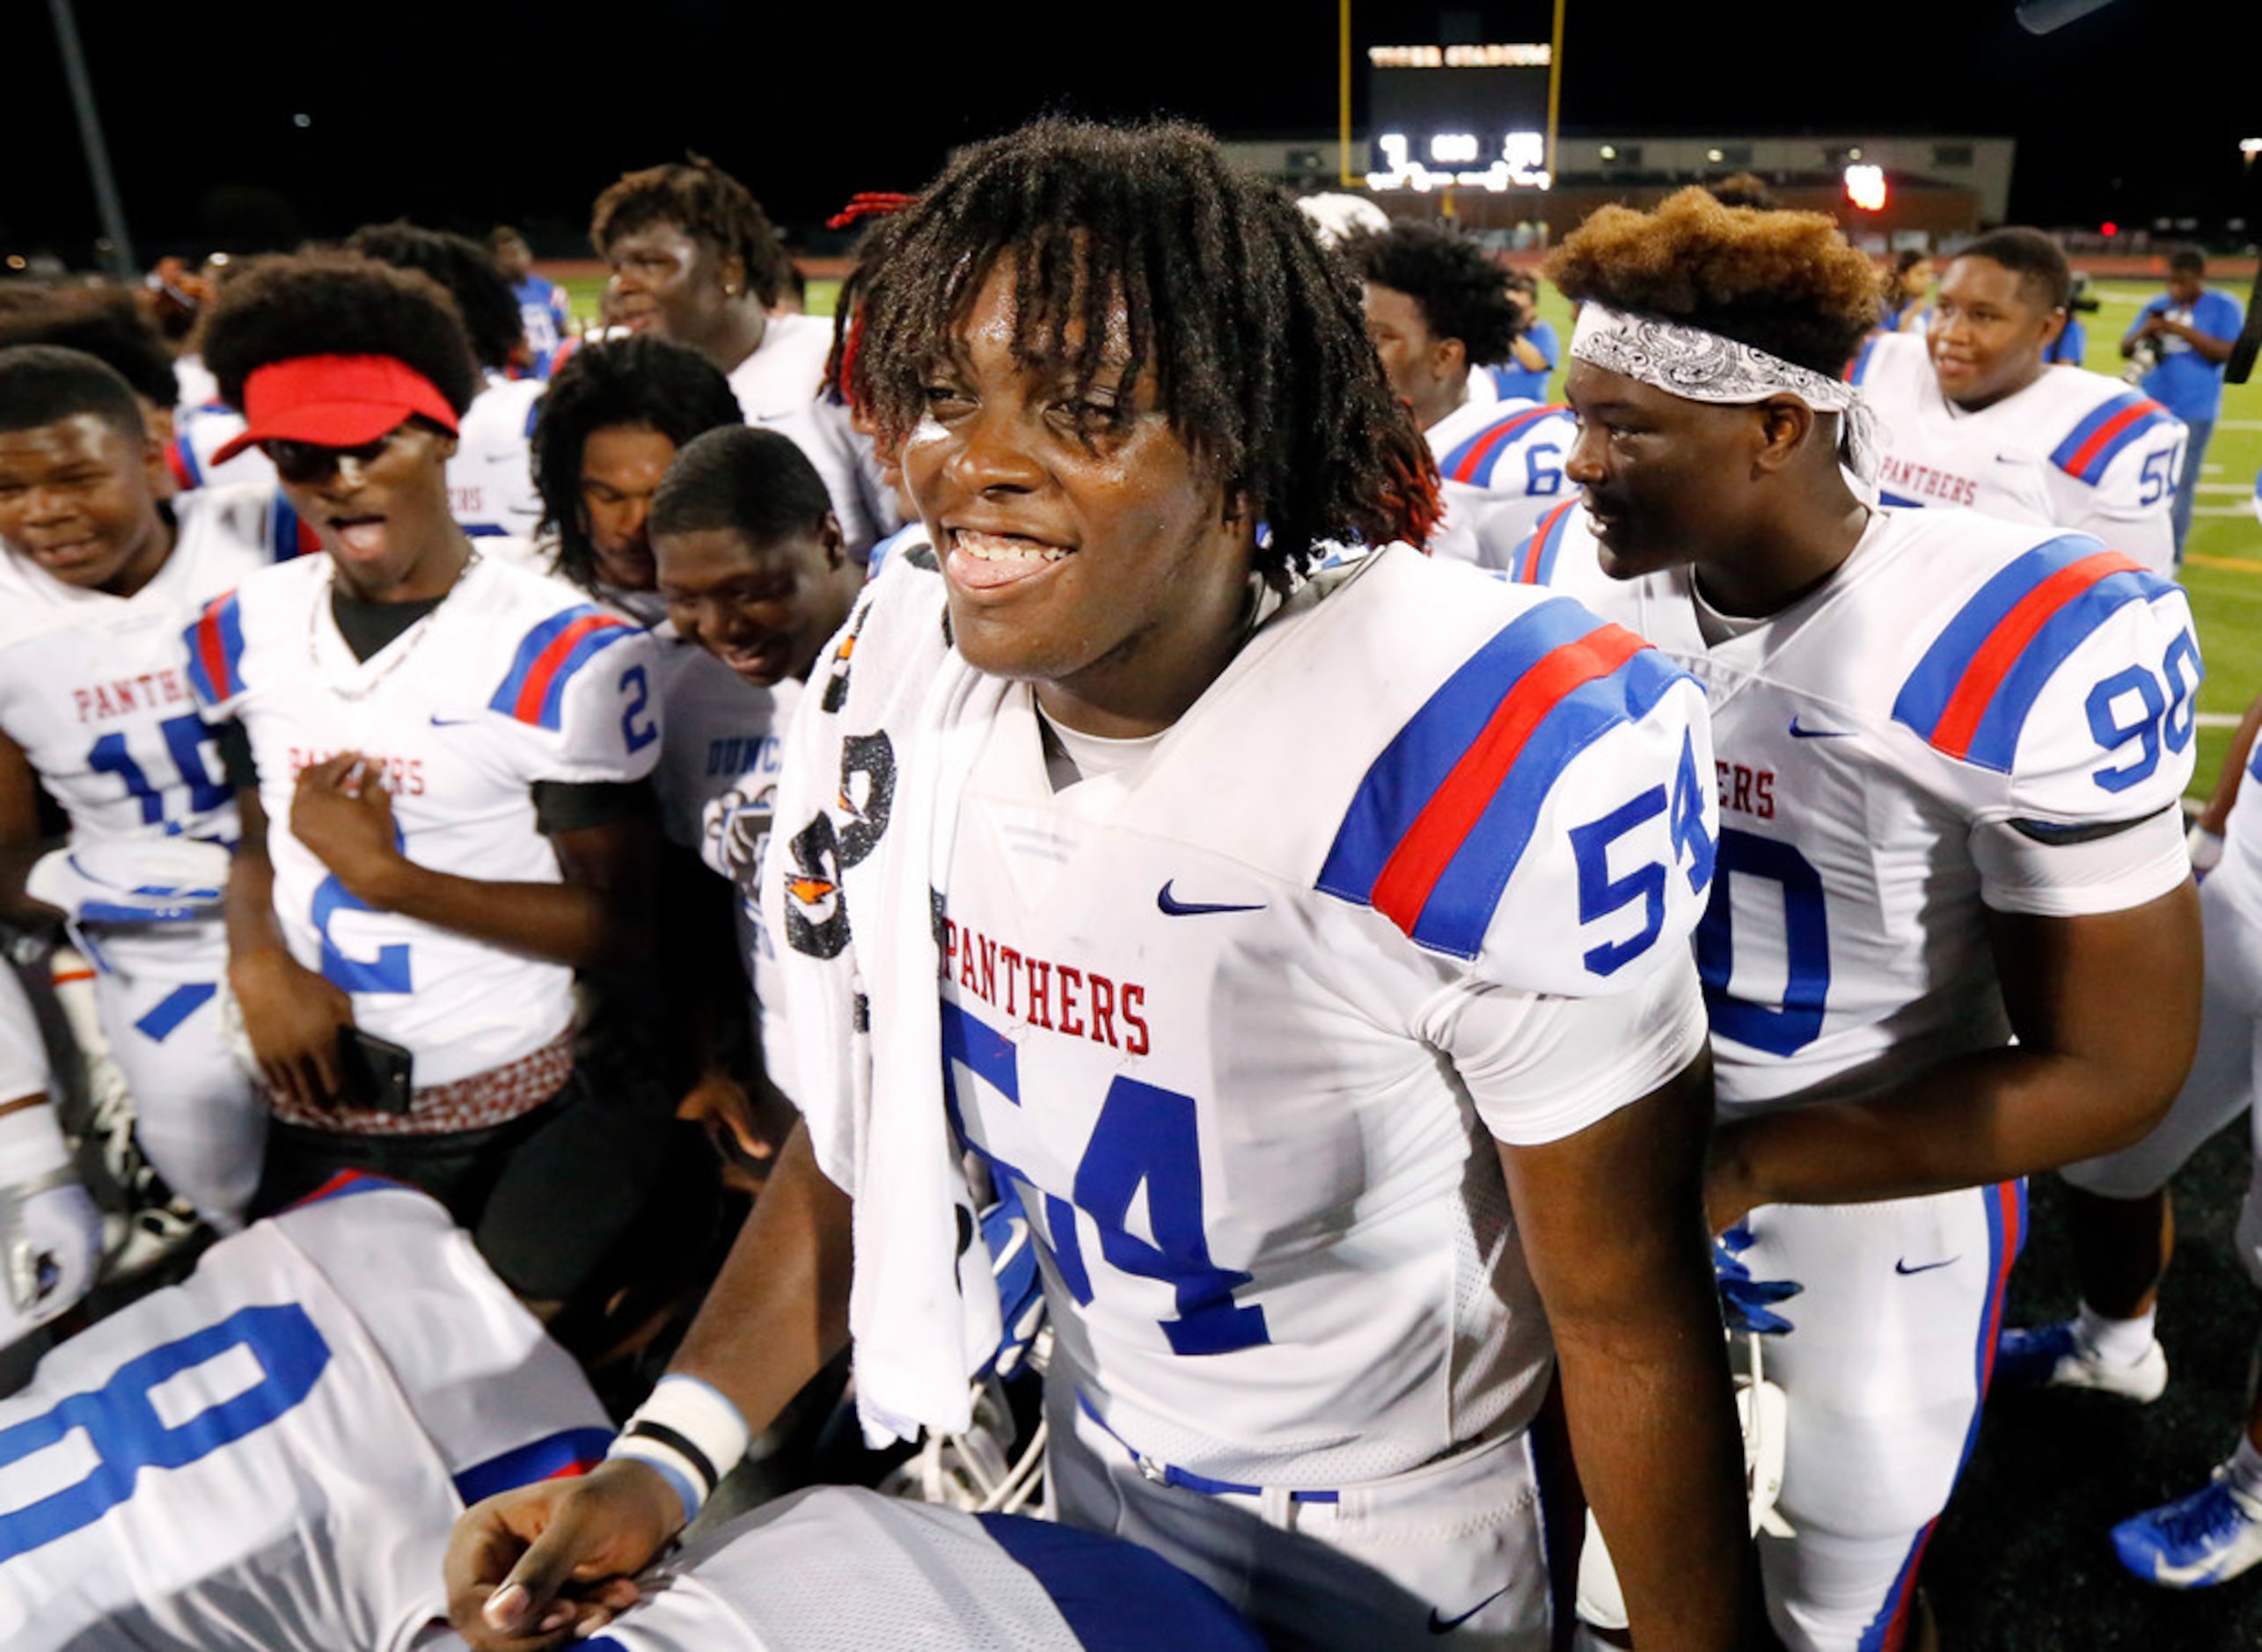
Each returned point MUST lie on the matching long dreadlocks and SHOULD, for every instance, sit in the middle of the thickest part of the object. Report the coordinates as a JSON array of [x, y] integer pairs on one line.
[[1260, 352]]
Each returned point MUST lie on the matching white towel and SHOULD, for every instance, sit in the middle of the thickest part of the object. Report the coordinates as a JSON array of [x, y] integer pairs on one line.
[[874, 767]]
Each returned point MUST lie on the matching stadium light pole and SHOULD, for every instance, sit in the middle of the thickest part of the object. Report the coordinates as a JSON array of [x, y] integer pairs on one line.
[[1554, 87], [120, 246], [1342, 101]]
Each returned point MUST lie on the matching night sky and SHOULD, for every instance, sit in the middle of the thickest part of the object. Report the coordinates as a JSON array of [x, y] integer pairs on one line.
[[463, 112]]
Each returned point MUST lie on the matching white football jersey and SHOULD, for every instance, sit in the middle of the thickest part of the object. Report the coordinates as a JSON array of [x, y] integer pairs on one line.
[[777, 389], [1561, 553], [722, 733], [515, 678], [95, 688], [1501, 466], [269, 1457], [200, 432], [491, 479], [1940, 727], [2073, 449], [785, 371], [836, 1568], [1243, 1026]]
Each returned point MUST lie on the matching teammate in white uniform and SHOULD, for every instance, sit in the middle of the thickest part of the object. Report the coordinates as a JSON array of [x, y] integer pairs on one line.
[[267, 1458], [1949, 754], [1972, 416], [97, 580], [50, 1232], [756, 581], [1293, 1041], [694, 259], [440, 818], [1436, 308]]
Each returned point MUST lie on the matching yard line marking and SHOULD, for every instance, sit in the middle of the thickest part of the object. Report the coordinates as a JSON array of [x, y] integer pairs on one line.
[[2219, 720]]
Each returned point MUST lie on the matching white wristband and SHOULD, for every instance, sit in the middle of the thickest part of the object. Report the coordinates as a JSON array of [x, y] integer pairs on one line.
[[689, 1432], [2206, 848], [31, 1145]]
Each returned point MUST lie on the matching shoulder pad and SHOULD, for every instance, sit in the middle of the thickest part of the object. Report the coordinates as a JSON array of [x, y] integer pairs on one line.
[[2092, 445], [1969, 695], [1533, 562], [1471, 461], [549, 655], [216, 651], [1438, 823]]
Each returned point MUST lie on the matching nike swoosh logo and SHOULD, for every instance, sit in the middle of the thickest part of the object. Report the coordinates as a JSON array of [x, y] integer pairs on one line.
[[1446, 1625], [1902, 1267], [1796, 732], [452, 722], [1172, 907]]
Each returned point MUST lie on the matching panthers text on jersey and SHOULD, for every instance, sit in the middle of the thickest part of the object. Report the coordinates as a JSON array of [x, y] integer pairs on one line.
[[271, 1454], [515, 678], [2073, 449], [1501, 466]]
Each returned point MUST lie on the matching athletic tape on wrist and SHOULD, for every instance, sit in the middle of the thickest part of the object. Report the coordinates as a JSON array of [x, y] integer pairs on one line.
[[691, 1434]]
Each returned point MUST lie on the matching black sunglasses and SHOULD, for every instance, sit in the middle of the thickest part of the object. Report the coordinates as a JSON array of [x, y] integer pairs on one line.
[[304, 462]]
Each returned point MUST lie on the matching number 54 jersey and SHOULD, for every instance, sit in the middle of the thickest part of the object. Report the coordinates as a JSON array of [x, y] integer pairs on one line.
[[1967, 713], [1243, 1026]]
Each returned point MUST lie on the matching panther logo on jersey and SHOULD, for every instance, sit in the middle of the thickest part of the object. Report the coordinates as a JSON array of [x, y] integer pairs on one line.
[[816, 921]]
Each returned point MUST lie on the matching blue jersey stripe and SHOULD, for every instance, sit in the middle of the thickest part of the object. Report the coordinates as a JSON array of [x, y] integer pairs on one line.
[[165, 1016], [1860, 370], [2069, 457], [1550, 544], [221, 626], [1996, 742], [545, 1458], [1924, 698], [1401, 781], [282, 528], [1460, 908], [539, 665], [1495, 438]]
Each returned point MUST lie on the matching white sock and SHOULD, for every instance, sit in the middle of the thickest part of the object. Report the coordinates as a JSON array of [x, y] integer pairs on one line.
[[2117, 1341], [2245, 1471]]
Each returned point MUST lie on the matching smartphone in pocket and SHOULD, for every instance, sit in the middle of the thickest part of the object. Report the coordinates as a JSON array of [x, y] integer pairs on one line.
[[378, 1074]]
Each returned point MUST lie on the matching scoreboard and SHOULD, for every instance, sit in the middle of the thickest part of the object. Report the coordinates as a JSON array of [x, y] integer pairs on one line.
[[1474, 114]]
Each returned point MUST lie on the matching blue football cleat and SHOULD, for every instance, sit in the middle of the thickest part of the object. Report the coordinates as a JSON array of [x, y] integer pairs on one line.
[[2207, 1537], [2058, 1356]]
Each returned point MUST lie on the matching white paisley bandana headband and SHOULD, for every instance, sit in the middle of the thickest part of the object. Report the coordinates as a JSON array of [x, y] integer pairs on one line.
[[1700, 366]]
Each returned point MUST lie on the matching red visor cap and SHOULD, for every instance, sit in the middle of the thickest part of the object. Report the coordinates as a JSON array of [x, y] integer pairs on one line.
[[334, 401]]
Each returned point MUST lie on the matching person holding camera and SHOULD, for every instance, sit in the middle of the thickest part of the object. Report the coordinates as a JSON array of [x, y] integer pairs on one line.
[[2176, 352]]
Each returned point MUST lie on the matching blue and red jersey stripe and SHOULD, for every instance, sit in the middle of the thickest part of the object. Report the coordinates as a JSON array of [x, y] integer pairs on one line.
[[1533, 560], [1970, 695], [555, 1457], [216, 651], [1472, 458], [534, 691], [1443, 815], [2094, 444]]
